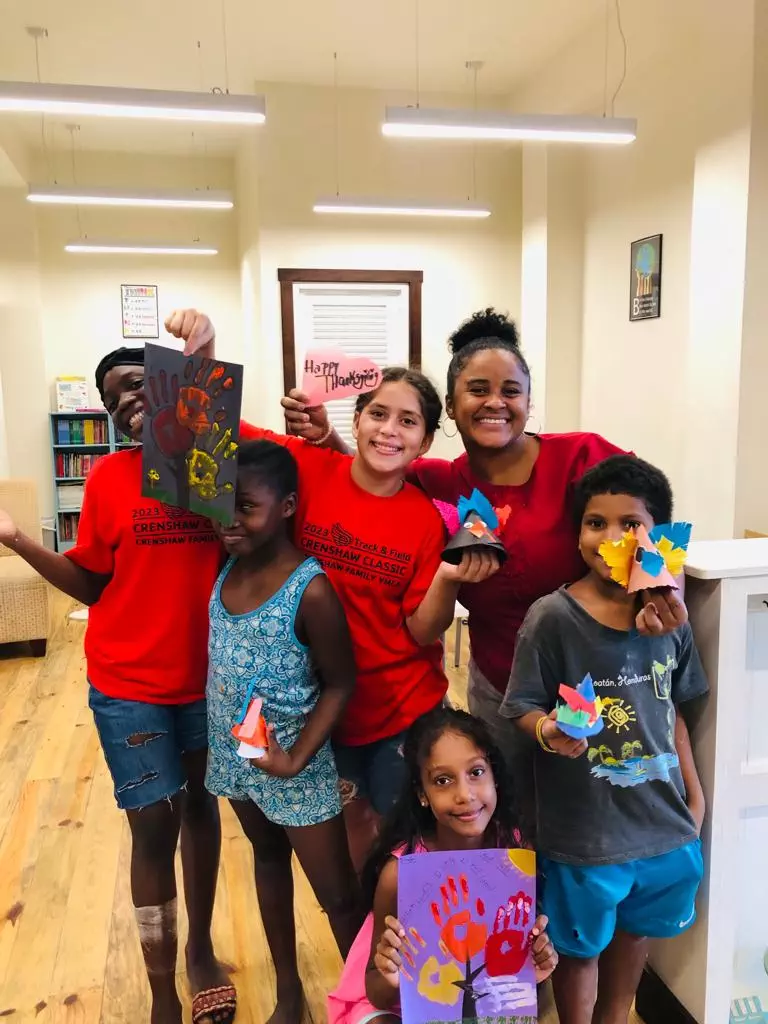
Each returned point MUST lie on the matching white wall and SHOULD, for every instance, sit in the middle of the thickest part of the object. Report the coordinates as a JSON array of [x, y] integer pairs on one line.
[[689, 85], [22, 364], [72, 302], [466, 264], [61, 312], [81, 292], [752, 479]]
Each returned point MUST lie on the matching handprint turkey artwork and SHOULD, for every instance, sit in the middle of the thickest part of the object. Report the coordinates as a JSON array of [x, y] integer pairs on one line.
[[468, 918], [191, 431]]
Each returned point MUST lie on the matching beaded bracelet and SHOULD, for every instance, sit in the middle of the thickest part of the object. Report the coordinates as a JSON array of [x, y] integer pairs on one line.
[[324, 438]]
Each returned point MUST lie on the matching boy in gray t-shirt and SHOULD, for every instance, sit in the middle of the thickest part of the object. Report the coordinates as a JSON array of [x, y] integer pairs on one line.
[[619, 813]]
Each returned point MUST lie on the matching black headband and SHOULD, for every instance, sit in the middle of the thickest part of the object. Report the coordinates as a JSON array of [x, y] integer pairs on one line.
[[120, 357]]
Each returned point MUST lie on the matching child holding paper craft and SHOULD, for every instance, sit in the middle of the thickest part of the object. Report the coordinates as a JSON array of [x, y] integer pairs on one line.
[[280, 671], [458, 797], [619, 809]]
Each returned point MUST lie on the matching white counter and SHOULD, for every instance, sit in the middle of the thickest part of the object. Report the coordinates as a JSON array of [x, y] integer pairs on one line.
[[721, 957]]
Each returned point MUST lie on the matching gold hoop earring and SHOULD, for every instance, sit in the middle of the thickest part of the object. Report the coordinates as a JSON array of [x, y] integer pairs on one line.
[[454, 434], [533, 433]]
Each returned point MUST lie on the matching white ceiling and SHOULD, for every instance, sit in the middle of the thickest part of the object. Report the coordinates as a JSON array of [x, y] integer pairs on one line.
[[164, 45]]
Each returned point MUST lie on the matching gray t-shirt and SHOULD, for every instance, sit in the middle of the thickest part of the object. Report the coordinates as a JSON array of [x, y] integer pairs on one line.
[[624, 798]]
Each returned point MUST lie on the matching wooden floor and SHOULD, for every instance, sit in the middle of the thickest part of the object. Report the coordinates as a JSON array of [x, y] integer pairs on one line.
[[68, 946]]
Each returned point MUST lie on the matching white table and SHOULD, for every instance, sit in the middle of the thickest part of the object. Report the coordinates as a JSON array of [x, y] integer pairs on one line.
[[721, 957]]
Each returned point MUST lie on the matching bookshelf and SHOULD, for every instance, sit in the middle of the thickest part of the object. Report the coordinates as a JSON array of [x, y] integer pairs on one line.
[[78, 439]]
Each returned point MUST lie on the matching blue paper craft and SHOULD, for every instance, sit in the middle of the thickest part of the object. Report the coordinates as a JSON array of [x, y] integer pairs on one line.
[[477, 520], [581, 713], [747, 1010], [477, 502]]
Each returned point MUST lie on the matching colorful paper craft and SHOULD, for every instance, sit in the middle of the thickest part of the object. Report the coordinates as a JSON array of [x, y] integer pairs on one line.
[[468, 918], [580, 714], [643, 560], [330, 373], [478, 520], [252, 732], [747, 1010], [191, 431]]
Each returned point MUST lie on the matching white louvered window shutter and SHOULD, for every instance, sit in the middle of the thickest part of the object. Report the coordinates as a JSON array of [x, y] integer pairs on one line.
[[362, 320]]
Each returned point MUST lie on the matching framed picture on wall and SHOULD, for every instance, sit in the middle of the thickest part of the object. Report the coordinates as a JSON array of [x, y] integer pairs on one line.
[[645, 278], [372, 315], [140, 311]]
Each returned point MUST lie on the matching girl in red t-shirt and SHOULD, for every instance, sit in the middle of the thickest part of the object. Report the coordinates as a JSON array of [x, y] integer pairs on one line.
[[379, 540]]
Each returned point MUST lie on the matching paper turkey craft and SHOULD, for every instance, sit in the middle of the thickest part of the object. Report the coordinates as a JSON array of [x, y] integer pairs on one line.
[[252, 732], [580, 713], [477, 520], [643, 560]]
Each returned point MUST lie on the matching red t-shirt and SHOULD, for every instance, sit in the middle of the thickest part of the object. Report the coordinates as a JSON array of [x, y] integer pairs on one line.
[[147, 635], [381, 555], [539, 535]]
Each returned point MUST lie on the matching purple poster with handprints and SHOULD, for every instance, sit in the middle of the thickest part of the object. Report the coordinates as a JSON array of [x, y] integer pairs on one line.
[[468, 916], [191, 431]]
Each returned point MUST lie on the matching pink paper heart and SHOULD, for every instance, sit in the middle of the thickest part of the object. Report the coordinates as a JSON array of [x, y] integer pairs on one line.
[[330, 373]]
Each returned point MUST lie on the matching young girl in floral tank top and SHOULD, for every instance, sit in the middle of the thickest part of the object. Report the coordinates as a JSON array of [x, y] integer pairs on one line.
[[278, 633]]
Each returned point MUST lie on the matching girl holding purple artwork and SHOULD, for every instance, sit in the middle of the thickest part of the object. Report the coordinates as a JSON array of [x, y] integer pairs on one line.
[[457, 798]]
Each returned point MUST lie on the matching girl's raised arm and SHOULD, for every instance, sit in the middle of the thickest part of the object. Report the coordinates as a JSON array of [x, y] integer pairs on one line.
[[311, 422]]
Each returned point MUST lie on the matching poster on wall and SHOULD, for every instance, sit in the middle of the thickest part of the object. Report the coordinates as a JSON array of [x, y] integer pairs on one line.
[[645, 278], [140, 311]]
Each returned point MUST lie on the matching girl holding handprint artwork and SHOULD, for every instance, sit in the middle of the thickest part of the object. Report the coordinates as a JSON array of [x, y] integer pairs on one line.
[[458, 799]]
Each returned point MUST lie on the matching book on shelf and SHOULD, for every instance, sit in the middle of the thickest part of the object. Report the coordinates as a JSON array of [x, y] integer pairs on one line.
[[72, 464], [68, 525], [70, 497], [82, 431]]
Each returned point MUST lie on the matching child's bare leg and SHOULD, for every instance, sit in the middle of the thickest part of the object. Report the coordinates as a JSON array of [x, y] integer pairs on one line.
[[154, 835], [274, 888], [575, 985], [324, 855], [621, 966], [362, 827]]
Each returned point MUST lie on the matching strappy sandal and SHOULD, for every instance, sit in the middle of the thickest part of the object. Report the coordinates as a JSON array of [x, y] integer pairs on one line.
[[219, 1004]]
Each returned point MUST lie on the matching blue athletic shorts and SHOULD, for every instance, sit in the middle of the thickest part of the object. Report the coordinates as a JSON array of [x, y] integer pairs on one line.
[[653, 897], [153, 770]]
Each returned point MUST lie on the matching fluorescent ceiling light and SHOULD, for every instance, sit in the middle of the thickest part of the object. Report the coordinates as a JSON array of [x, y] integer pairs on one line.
[[61, 194], [398, 208], [107, 101], [416, 122], [143, 248]]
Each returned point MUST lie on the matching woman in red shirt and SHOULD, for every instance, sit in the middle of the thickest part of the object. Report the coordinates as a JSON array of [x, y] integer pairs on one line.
[[489, 399], [147, 571]]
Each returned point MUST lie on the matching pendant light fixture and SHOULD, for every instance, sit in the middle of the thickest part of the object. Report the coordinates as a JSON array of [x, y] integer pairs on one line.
[[199, 199], [375, 207]]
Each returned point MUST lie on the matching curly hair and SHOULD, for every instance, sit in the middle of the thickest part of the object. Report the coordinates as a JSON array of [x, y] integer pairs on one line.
[[625, 474], [484, 330], [270, 463], [409, 822]]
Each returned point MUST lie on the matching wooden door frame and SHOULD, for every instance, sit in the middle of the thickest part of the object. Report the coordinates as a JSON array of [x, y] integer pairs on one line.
[[288, 276]]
